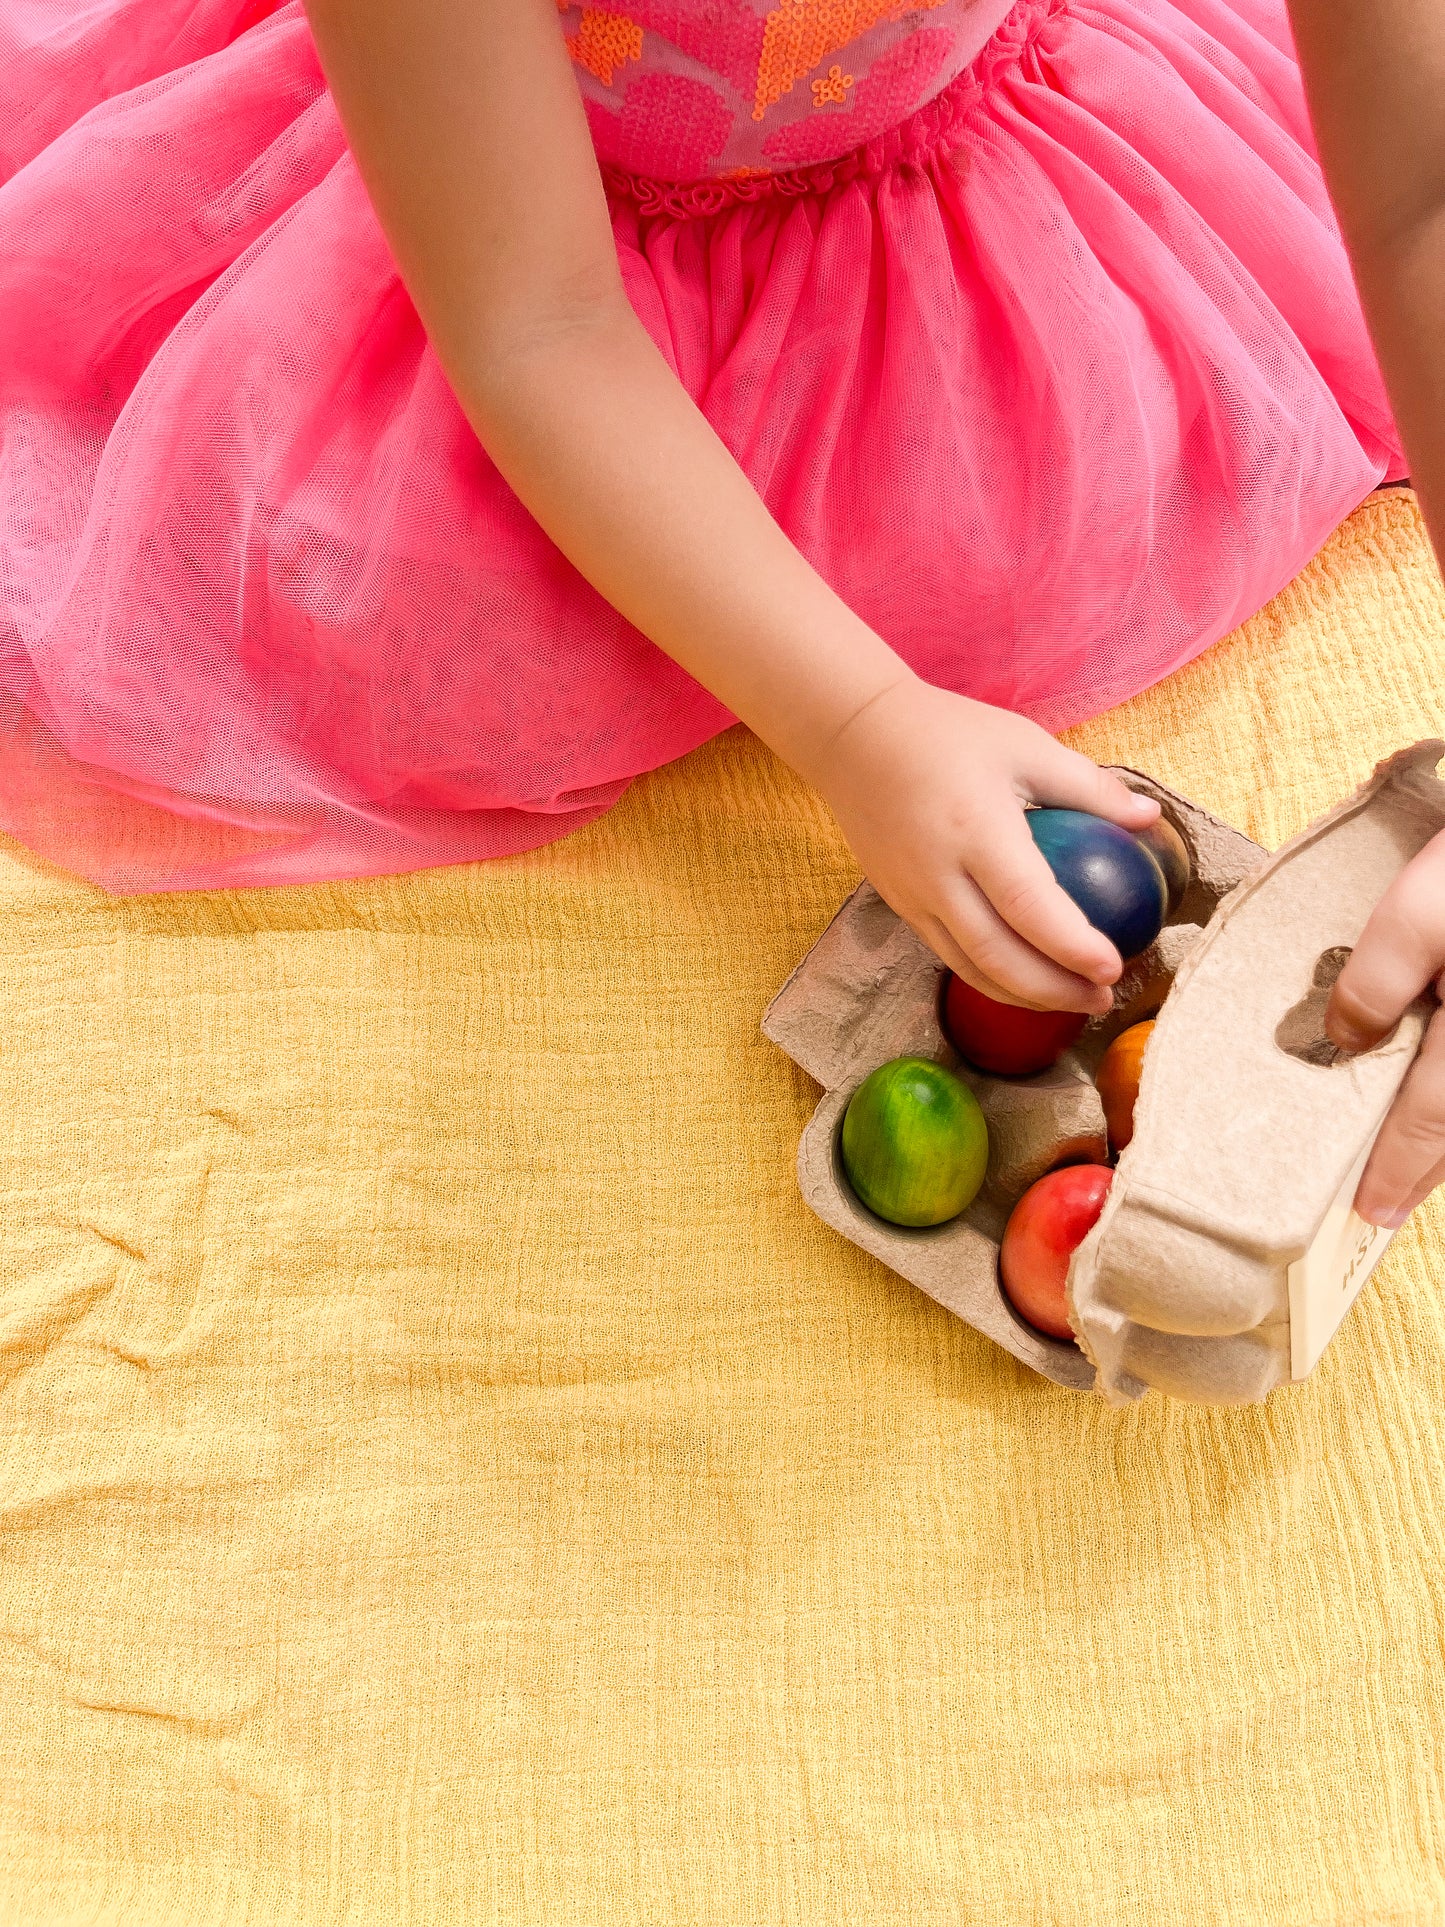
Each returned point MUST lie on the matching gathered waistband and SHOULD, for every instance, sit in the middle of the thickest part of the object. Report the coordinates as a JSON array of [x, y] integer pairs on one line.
[[913, 140]]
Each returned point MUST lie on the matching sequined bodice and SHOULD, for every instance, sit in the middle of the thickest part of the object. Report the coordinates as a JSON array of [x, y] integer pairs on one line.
[[687, 89]]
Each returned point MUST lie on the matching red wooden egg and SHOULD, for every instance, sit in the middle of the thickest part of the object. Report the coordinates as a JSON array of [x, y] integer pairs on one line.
[[1047, 1225], [1006, 1039]]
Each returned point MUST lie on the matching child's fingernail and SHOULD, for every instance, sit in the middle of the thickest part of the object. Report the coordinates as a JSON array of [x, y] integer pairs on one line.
[[1390, 1220]]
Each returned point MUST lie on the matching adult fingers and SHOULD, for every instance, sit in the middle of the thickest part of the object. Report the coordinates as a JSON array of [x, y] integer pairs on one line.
[[1066, 780], [1009, 868], [1409, 1153], [1401, 949], [1000, 963]]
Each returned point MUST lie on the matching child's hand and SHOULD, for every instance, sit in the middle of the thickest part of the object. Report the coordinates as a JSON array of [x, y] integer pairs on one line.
[[929, 790], [1400, 952]]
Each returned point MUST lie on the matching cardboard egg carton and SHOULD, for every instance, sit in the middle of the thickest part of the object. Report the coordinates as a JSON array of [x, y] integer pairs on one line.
[[1226, 1253]]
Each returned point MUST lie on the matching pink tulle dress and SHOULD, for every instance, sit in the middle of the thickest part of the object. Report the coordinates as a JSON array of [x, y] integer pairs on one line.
[[1032, 327]]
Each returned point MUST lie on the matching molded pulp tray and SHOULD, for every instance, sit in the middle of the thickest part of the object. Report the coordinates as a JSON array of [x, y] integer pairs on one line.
[[1226, 1253]]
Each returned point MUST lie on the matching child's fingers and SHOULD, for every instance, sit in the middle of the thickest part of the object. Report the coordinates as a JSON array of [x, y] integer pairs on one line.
[[1392, 1220], [1399, 952], [1010, 869], [995, 959], [1063, 779], [1409, 1155]]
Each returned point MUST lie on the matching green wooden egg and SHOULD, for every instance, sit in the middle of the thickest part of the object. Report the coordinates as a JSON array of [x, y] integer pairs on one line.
[[914, 1144]]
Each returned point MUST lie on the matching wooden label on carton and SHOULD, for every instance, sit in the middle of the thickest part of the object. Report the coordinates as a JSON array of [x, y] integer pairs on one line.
[[1326, 1281]]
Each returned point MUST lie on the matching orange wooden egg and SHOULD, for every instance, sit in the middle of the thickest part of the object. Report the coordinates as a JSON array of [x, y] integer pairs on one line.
[[1120, 1069]]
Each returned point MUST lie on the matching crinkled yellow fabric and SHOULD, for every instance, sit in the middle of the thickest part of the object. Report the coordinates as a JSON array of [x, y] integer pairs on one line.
[[447, 1476]]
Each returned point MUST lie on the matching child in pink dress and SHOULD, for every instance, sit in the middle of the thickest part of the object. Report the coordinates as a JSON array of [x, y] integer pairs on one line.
[[417, 420]]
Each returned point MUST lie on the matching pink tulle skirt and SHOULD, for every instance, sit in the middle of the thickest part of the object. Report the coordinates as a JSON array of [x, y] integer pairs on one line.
[[1055, 384]]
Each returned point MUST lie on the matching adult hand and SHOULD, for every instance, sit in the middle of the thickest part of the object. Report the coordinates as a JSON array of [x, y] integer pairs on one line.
[[1400, 952]]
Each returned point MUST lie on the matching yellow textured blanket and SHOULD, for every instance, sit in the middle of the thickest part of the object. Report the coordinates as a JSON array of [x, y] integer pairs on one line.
[[447, 1475]]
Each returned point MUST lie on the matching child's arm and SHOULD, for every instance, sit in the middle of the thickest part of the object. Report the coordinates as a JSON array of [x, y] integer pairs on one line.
[[468, 128], [1375, 74]]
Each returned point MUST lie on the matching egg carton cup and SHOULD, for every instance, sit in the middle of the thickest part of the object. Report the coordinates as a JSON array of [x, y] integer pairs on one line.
[[1226, 1253]]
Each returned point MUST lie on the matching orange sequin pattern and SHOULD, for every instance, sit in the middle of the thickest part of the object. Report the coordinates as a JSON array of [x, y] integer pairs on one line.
[[832, 89], [800, 33], [604, 42]]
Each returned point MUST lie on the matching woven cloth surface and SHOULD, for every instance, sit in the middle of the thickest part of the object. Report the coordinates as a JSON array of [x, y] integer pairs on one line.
[[446, 1475]]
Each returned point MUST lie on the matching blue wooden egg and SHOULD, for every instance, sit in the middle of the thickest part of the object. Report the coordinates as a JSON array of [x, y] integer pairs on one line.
[[1110, 875]]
